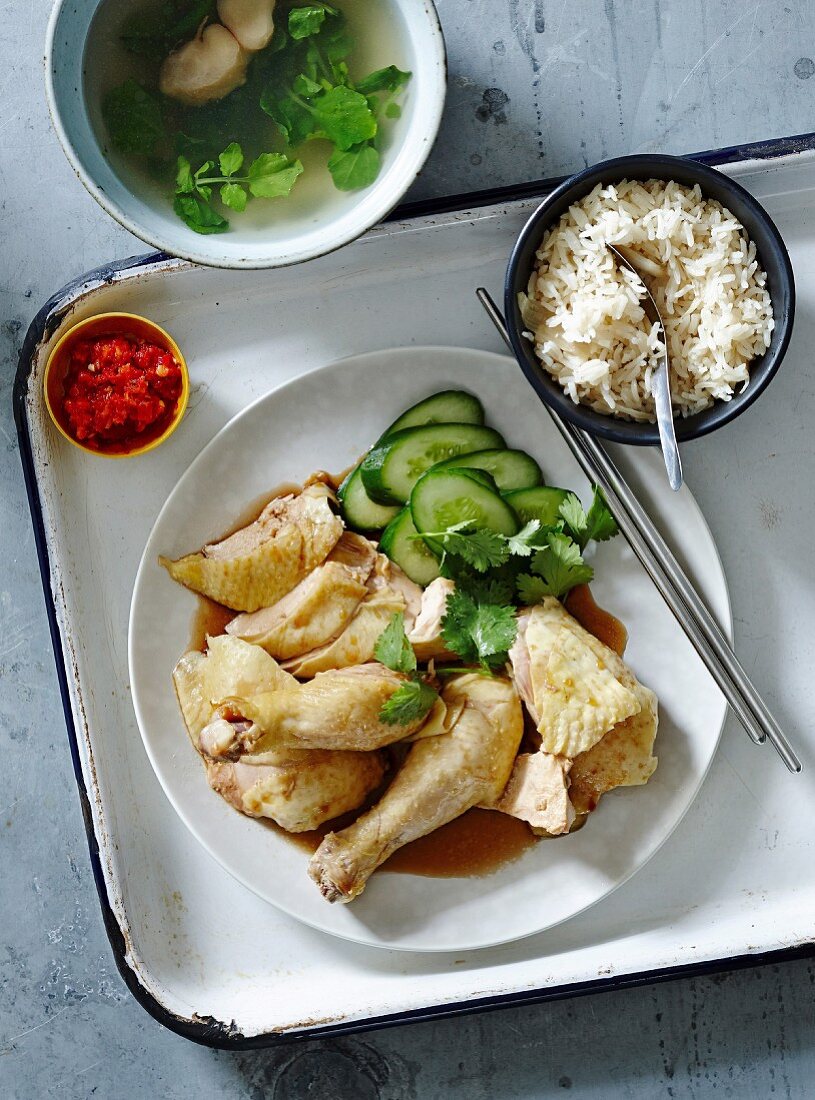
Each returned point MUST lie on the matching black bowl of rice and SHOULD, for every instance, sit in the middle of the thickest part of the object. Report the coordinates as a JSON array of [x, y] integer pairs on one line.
[[708, 252]]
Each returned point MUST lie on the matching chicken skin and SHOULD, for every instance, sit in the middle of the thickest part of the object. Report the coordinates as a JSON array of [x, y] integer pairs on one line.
[[259, 564], [425, 635], [441, 778], [318, 609]]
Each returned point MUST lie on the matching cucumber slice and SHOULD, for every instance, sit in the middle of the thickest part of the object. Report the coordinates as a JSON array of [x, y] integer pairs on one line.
[[511, 469], [411, 554], [446, 407], [358, 510], [442, 498], [542, 502], [392, 467]]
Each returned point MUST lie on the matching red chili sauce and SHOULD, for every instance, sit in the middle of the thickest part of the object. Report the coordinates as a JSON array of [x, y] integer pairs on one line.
[[121, 393]]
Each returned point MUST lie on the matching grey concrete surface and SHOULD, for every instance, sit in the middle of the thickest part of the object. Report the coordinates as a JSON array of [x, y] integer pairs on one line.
[[537, 87]]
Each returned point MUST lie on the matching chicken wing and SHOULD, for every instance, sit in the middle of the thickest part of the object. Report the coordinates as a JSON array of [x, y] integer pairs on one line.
[[229, 667], [316, 610], [441, 778], [299, 789], [575, 688], [336, 710], [259, 564], [388, 591]]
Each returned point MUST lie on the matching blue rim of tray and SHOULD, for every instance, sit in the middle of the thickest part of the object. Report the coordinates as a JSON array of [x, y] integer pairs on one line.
[[207, 1030]]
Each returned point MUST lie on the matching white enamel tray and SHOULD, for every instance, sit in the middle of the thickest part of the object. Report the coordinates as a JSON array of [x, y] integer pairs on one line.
[[732, 884], [324, 421]]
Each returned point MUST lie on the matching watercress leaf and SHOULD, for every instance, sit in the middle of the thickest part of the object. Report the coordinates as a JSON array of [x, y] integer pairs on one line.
[[410, 702], [355, 167], [393, 649], [133, 119], [272, 175], [393, 110], [234, 196], [560, 565], [383, 80], [184, 183], [205, 170], [307, 20], [294, 120], [231, 159], [600, 523], [198, 215], [344, 117], [305, 86]]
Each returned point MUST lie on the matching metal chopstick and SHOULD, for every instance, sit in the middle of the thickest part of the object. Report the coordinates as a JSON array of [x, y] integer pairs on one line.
[[668, 576]]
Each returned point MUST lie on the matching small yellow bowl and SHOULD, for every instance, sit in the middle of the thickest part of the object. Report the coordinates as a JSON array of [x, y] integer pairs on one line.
[[109, 324]]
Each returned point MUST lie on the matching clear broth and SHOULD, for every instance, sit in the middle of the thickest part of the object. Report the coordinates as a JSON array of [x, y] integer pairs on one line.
[[379, 41]]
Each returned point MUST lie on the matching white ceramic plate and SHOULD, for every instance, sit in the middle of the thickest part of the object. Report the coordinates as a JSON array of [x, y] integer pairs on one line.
[[326, 419]]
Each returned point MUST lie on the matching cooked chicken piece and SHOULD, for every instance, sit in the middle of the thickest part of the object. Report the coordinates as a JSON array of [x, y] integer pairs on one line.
[[441, 778], [623, 758], [425, 637], [336, 710], [441, 719], [389, 591], [229, 667], [316, 610], [575, 688], [259, 564], [538, 793], [250, 21], [301, 789], [208, 67]]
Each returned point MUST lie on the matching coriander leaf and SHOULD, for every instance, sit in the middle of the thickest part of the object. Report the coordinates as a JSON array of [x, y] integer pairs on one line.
[[354, 168], [308, 20], [482, 550], [476, 631], [231, 159], [498, 587], [272, 175], [393, 649], [532, 590], [184, 183], [383, 80], [344, 117], [411, 701], [560, 565], [600, 523], [199, 215], [526, 540], [133, 119], [234, 196], [571, 511]]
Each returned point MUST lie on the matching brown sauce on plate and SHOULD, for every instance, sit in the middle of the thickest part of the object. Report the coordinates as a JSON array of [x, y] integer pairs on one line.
[[480, 841]]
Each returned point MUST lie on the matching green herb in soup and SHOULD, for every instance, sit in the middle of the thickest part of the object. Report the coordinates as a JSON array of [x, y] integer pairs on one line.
[[226, 95]]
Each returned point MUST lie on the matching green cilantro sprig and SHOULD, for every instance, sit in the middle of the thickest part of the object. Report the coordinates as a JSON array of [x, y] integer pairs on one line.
[[269, 176], [598, 523], [414, 698], [477, 630]]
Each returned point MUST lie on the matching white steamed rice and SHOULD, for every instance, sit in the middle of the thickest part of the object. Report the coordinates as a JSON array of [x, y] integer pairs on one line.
[[584, 314]]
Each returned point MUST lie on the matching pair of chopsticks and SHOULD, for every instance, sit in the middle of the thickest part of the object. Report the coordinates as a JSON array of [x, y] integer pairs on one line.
[[668, 576]]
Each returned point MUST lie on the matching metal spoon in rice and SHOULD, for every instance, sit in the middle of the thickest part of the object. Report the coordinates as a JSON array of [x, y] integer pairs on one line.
[[661, 379]]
